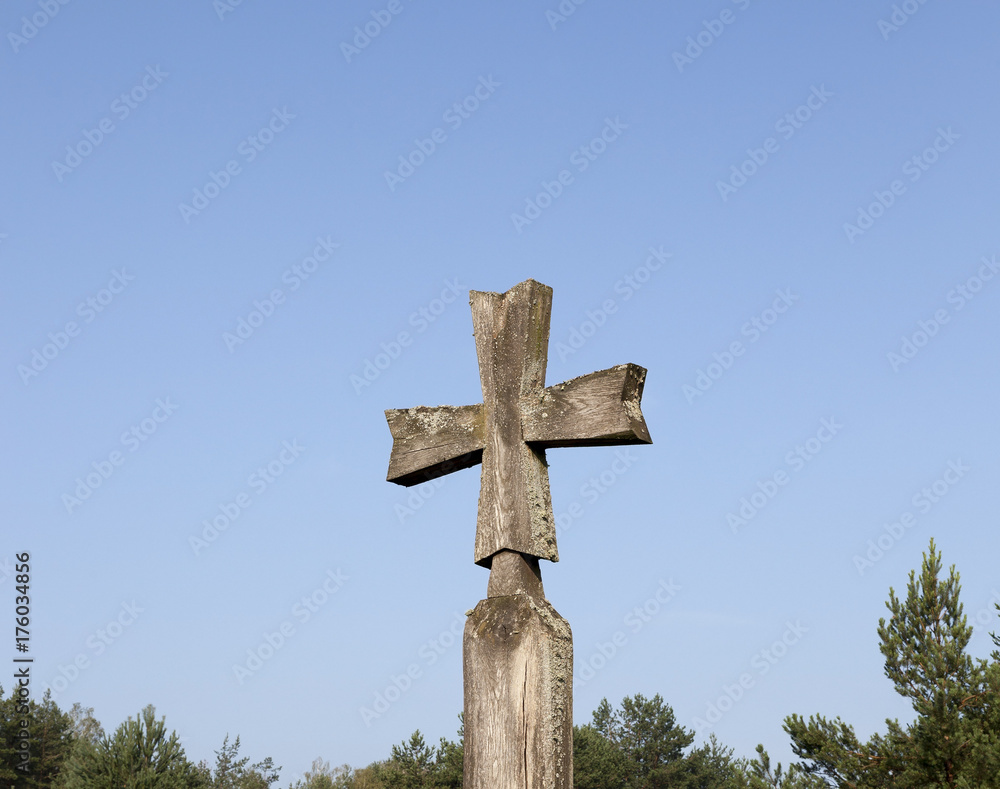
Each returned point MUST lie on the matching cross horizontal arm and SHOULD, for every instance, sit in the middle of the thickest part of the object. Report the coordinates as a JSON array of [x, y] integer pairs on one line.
[[599, 409], [430, 442]]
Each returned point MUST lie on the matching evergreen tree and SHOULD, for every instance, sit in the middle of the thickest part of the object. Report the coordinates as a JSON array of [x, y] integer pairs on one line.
[[954, 741], [139, 755], [450, 760], [597, 762], [235, 772], [411, 764], [646, 734], [48, 742], [758, 774], [711, 766]]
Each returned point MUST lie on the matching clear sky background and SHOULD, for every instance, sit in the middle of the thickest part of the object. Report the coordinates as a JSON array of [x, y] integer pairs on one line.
[[168, 167]]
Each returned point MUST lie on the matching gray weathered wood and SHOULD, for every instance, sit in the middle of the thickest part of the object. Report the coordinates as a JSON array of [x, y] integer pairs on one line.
[[514, 573], [431, 442], [515, 508], [518, 667], [517, 651], [598, 409], [516, 422]]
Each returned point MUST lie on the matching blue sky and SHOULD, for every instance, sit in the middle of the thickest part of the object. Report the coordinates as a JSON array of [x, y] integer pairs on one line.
[[218, 219]]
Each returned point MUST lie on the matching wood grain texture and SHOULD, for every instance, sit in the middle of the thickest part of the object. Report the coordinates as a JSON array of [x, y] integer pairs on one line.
[[599, 409], [517, 421], [517, 651], [514, 573], [515, 506], [518, 666], [431, 442]]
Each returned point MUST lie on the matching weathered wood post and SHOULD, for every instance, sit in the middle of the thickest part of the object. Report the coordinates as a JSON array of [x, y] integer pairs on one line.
[[517, 651]]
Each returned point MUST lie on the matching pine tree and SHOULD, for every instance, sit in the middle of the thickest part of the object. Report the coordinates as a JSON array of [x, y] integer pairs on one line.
[[49, 742], [235, 772], [646, 734], [449, 760], [954, 741], [411, 765], [140, 755], [597, 763], [758, 774]]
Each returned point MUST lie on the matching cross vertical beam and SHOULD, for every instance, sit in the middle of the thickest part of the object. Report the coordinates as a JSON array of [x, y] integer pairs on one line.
[[515, 506]]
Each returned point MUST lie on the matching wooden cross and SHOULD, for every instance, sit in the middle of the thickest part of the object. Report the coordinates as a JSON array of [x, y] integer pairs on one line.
[[517, 649]]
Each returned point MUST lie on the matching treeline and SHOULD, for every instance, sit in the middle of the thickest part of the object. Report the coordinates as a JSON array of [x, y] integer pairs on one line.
[[69, 750], [952, 742]]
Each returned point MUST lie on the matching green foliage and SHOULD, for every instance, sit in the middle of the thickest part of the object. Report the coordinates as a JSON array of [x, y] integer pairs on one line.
[[954, 740], [411, 765], [85, 726], [322, 776], [711, 766], [996, 641], [140, 755], [49, 742], [415, 765], [450, 759], [640, 746], [759, 775], [235, 772], [646, 733], [597, 763]]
